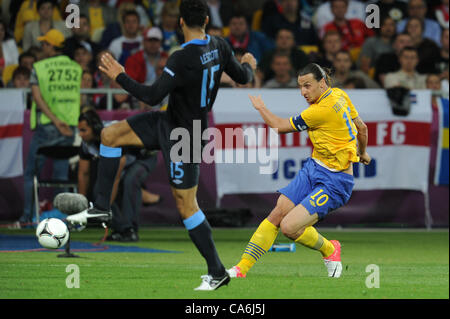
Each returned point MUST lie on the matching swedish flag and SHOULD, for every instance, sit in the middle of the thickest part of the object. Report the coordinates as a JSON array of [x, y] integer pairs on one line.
[[442, 163]]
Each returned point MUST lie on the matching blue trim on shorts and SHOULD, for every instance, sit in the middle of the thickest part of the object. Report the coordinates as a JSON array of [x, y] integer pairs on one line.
[[110, 152], [194, 220]]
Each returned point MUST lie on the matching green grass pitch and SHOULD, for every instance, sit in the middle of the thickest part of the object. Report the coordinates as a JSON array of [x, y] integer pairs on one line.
[[412, 264]]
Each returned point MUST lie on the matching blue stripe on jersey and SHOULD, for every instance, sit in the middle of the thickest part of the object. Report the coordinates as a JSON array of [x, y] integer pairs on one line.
[[197, 41], [169, 71], [299, 123], [326, 94]]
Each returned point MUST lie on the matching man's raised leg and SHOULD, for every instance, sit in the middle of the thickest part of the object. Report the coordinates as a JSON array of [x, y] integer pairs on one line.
[[112, 139]]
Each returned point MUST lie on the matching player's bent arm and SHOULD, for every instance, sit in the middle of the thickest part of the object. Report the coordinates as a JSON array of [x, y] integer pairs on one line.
[[282, 125], [362, 134], [83, 176], [149, 94], [240, 73]]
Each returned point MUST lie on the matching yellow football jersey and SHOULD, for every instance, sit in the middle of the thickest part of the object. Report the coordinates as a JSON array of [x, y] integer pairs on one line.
[[330, 129]]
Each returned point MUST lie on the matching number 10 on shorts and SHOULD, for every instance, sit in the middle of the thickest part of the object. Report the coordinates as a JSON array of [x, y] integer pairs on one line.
[[317, 200]]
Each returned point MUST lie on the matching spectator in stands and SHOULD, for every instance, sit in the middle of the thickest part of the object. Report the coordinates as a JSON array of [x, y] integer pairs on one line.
[[418, 9], [172, 37], [283, 73], [375, 46], [115, 29], [441, 13], [53, 122], [100, 78], [354, 83], [37, 28], [131, 41], [251, 41], [26, 59], [389, 62], [442, 61], [21, 78], [87, 82], [433, 82], [28, 12], [99, 14], [288, 17], [396, 10], [353, 31], [81, 37], [9, 54], [284, 43], [331, 44], [37, 52], [122, 101], [343, 71], [324, 15], [141, 66], [84, 58], [407, 76], [427, 49]]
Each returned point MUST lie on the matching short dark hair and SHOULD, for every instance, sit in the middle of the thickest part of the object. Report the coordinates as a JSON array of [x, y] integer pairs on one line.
[[281, 54], [130, 13], [26, 54], [317, 71], [84, 16], [357, 82], [21, 70], [342, 51], [41, 2], [194, 12], [408, 49], [93, 120]]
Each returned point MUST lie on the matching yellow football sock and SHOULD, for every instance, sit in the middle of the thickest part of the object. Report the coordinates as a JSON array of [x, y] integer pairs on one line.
[[258, 245], [312, 239]]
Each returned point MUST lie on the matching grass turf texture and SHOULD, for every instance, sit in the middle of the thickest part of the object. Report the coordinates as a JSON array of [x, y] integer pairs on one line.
[[413, 264]]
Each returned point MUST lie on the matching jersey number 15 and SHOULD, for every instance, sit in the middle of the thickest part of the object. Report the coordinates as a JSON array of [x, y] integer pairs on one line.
[[206, 90]]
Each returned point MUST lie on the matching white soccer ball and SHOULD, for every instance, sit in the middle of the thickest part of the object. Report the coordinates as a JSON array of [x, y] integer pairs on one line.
[[52, 233]]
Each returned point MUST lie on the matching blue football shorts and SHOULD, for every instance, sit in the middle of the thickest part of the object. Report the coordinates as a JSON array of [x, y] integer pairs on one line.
[[318, 189]]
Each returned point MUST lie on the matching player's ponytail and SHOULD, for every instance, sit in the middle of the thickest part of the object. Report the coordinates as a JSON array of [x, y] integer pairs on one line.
[[318, 73]]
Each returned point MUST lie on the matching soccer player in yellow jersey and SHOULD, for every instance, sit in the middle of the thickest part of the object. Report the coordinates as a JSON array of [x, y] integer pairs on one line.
[[325, 182]]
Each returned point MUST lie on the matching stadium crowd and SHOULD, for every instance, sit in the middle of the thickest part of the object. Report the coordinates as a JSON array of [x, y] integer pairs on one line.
[[410, 47]]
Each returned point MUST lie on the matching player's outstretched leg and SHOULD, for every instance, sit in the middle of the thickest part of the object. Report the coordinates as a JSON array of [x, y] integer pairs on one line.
[[200, 233], [112, 138], [297, 225], [262, 239]]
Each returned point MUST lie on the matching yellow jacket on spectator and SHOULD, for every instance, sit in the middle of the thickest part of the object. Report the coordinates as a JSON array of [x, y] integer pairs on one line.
[[28, 12]]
